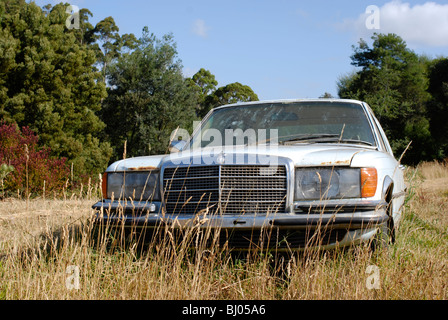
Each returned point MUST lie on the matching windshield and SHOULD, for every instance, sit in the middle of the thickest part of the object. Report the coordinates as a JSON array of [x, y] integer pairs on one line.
[[285, 123]]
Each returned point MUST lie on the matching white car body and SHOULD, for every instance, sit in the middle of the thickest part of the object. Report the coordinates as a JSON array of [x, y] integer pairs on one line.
[[347, 221]]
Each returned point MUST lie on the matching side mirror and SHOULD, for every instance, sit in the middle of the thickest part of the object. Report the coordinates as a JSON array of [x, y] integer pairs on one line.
[[177, 145]]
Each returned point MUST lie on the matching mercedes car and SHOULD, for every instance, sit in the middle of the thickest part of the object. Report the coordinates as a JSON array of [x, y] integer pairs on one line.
[[283, 175]]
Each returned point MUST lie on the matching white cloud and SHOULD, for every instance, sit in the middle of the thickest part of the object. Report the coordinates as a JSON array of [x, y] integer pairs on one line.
[[199, 28], [419, 25]]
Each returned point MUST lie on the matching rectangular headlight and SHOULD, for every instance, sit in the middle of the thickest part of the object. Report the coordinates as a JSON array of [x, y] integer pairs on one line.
[[139, 186], [327, 183]]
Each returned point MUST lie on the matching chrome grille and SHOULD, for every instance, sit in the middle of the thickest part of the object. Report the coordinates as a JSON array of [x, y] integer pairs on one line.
[[226, 189]]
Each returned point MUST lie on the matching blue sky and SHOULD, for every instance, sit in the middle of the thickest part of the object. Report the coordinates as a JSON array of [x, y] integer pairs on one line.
[[282, 49]]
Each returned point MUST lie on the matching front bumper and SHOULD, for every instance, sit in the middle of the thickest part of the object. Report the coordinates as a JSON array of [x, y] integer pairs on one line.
[[340, 226]]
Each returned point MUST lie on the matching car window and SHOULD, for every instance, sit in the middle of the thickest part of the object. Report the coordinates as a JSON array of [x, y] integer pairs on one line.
[[283, 121]]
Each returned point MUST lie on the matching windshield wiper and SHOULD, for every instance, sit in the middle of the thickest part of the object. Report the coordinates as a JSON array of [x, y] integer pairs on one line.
[[356, 141], [322, 138], [312, 137]]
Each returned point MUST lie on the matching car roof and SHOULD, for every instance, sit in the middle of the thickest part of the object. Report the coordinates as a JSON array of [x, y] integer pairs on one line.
[[286, 101]]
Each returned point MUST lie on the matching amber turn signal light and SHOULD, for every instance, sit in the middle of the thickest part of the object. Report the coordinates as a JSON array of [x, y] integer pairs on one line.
[[369, 180]]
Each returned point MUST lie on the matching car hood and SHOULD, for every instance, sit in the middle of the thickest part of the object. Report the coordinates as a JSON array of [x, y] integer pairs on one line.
[[299, 154]]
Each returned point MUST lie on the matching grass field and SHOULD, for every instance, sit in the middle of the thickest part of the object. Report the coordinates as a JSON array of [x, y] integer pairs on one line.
[[47, 252]]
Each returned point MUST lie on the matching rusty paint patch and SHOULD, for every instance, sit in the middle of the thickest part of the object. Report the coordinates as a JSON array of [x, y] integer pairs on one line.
[[341, 162], [336, 163], [148, 168]]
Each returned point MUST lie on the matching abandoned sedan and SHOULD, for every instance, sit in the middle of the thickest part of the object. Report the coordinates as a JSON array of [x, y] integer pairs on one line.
[[283, 175]]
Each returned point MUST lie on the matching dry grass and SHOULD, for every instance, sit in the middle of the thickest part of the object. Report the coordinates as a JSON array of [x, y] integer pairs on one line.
[[41, 239]]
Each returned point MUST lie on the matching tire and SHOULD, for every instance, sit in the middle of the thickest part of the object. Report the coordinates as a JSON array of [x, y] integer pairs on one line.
[[385, 236]]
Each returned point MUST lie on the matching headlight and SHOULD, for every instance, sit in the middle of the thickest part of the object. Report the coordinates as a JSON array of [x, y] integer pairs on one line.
[[327, 183], [140, 186]]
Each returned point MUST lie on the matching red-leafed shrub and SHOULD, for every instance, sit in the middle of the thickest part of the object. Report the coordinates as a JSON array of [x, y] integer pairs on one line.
[[19, 148]]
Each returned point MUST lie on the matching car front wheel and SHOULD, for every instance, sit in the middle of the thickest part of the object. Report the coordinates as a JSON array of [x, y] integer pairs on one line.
[[385, 235]]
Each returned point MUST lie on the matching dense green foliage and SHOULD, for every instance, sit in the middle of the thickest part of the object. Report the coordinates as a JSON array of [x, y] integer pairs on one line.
[[204, 83], [406, 92], [437, 107], [48, 82], [148, 98]]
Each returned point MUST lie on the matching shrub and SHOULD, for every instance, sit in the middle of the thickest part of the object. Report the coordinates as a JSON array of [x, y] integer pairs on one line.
[[33, 166]]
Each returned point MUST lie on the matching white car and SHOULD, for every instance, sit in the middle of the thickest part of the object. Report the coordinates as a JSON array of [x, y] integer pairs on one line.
[[284, 175]]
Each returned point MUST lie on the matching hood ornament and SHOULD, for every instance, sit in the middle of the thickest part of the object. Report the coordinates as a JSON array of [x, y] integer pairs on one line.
[[221, 158]]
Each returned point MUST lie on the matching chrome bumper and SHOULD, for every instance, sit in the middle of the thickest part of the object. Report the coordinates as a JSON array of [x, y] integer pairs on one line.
[[360, 216], [342, 221], [358, 224]]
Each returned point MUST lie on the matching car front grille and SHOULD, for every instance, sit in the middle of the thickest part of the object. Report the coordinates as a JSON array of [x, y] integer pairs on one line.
[[225, 189]]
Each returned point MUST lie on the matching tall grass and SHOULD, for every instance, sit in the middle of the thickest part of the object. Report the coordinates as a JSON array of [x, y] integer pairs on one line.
[[42, 246]]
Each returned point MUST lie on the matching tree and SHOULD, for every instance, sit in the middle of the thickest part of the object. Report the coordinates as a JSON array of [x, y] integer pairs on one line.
[[392, 80], [326, 95], [108, 44], [48, 82], [84, 34], [231, 93], [148, 97], [438, 105], [347, 86], [204, 83]]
